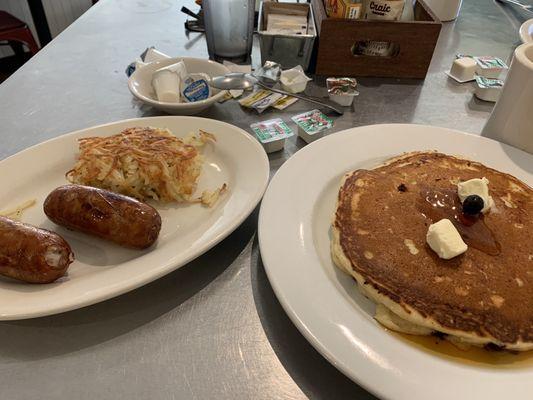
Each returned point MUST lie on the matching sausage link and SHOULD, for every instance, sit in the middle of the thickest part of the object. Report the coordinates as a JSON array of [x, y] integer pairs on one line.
[[111, 216], [31, 254]]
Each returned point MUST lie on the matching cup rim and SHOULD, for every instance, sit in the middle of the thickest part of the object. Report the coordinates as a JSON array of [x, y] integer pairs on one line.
[[524, 54]]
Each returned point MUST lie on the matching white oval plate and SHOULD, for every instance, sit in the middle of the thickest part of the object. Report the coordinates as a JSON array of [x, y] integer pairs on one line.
[[103, 270], [323, 302], [526, 31]]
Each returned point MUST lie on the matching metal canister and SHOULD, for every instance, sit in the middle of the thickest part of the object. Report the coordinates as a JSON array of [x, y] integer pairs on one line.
[[289, 50]]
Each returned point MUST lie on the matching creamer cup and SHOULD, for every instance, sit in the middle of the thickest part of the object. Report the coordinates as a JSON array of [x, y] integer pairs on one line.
[[195, 87], [167, 81]]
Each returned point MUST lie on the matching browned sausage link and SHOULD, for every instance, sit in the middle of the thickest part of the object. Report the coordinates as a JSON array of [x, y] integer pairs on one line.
[[111, 216], [31, 254]]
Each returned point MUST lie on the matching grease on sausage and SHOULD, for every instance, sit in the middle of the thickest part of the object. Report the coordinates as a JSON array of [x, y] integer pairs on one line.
[[111, 216], [32, 254]]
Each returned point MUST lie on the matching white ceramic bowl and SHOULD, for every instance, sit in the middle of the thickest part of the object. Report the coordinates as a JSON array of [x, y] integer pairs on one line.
[[140, 84], [526, 31]]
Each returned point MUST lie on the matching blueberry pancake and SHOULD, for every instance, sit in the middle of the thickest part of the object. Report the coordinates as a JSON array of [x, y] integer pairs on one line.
[[481, 297]]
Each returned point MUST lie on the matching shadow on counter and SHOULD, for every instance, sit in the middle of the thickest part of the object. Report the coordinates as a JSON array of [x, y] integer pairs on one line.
[[51, 336], [315, 376]]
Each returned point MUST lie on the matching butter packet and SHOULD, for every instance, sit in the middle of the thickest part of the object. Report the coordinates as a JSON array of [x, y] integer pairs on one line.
[[227, 96], [231, 94], [284, 102], [236, 93], [253, 98], [260, 100]]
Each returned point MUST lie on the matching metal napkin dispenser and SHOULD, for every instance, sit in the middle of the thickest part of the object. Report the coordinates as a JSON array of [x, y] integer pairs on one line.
[[286, 46]]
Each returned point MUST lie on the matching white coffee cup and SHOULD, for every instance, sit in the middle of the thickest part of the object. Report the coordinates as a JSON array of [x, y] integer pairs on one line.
[[511, 120], [445, 10]]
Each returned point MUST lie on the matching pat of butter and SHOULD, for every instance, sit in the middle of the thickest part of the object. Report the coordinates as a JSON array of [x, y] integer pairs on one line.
[[445, 240], [463, 69], [478, 187]]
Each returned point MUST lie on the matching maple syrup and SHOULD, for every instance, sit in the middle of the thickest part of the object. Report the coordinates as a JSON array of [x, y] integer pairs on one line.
[[477, 356], [440, 204]]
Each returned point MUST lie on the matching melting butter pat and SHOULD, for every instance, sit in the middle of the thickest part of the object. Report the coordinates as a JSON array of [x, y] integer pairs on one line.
[[445, 240], [478, 187]]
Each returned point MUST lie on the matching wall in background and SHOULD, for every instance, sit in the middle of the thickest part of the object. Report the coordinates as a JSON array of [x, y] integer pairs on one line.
[[20, 9], [59, 13]]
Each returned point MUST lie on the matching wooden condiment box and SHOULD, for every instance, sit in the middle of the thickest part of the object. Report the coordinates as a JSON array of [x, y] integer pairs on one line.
[[416, 41]]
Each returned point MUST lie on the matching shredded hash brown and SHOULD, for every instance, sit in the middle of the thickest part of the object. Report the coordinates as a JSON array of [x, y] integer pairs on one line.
[[145, 163]]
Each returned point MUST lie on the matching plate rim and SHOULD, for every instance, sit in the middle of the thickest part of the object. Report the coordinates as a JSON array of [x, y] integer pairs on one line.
[[168, 265], [295, 315]]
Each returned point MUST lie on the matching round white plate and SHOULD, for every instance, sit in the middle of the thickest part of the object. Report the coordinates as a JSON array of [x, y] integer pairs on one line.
[[324, 303], [526, 31], [103, 270]]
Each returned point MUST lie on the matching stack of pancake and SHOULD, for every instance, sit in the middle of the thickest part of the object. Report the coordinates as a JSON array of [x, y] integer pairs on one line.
[[482, 297]]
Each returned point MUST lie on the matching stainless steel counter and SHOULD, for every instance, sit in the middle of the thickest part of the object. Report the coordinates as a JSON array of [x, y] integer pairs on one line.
[[214, 328]]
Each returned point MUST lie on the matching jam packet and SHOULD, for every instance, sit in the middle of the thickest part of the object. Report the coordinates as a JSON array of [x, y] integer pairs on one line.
[[272, 134], [312, 125], [342, 90], [488, 89], [489, 67]]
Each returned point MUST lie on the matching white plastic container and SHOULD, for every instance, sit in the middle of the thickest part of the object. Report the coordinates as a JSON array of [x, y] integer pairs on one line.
[[463, 69], [342, 90], [488, 89], [275, 145], [312, 125], [166, 82], [294, 80], [345, 99], [272, 134], [167, 86], [489, 67]]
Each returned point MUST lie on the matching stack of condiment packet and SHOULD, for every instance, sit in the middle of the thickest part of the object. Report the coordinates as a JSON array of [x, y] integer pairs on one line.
[[261, 99]]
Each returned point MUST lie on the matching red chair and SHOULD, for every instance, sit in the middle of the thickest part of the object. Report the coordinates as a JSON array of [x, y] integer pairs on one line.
[[15, 32]]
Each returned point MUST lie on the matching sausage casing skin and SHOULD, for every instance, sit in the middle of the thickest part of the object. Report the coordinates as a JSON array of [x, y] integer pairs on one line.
[[32, 254], [111, 216]]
